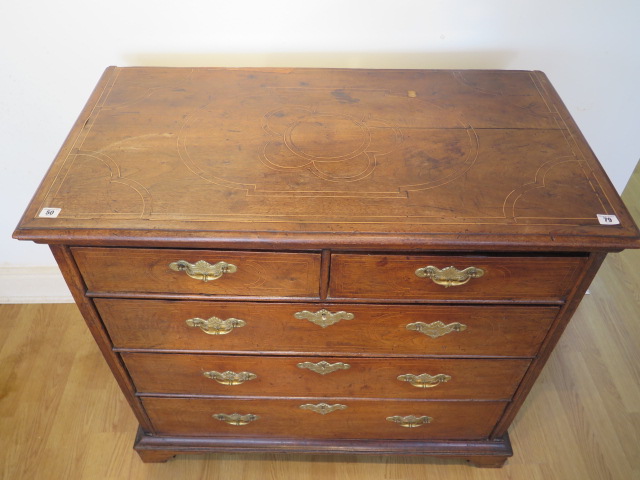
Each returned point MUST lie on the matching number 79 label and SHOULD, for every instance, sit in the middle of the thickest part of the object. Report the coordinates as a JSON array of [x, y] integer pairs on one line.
[[608, 220]]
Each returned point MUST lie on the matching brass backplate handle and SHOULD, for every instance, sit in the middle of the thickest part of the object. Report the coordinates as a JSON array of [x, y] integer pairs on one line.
[[424, 380], [323, 408], [436, 329], [215, 325], [324, 367], [202, 270], [449, 276], [410, 421], [236, 418], [229, 377], [324, 317]]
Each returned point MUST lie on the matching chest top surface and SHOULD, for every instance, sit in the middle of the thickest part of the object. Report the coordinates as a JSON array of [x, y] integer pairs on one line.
[[440, 159]]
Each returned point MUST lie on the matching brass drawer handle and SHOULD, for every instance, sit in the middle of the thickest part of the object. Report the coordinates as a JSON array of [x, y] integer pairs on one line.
[[215, 325], [323, 408], [424, 380], [410, 421], [323, 317], [230, 378], [236, 418], [324, 367], [202, 270], [436, 329], [449, 276]]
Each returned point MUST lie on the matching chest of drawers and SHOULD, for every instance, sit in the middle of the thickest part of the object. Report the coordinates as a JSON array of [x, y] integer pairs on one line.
[[326, 261]]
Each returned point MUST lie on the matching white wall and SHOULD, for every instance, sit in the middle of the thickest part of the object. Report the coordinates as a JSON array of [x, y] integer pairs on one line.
[[52, 53]]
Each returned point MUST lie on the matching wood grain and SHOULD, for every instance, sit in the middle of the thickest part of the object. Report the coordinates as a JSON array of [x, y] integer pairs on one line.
[[147, 271], [361, 419], [161, 448], [579, 421], [505, 278], [364, 377], [375, 329], [307, 157], [333, 184], [94, 323]]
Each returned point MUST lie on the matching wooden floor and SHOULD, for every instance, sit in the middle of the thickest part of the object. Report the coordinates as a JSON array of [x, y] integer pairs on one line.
[[63, 417]]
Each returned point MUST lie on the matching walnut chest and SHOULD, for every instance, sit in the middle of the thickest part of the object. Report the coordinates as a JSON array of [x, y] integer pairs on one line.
[[300, 260]]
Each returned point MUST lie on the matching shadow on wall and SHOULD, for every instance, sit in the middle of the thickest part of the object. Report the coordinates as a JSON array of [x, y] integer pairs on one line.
[[417, 60]]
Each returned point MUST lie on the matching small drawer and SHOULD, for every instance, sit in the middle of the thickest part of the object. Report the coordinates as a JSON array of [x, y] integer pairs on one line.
[[463, 278], [185, 272], [328, 328], [325, 376], [349, 418]]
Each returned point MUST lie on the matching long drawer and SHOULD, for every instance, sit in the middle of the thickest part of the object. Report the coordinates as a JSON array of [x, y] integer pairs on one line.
[[325, 376], [361, 329], [167, 271], [472, 278], [351, 419]]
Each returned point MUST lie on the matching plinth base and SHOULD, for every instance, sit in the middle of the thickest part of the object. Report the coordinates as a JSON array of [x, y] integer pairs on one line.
[[482, 453]]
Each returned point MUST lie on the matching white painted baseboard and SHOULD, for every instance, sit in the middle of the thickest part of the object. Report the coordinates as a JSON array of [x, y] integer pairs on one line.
[[33, 285]]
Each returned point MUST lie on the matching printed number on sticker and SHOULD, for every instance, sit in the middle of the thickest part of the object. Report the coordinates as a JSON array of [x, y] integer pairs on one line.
[[608, 220], [49, 212]]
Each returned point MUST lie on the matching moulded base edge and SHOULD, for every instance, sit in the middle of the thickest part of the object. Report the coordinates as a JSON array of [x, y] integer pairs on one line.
[[482, 453]]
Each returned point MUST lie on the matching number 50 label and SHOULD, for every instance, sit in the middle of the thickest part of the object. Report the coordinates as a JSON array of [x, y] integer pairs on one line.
[[49, 212]]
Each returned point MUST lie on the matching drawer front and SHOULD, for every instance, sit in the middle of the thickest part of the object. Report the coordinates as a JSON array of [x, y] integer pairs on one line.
[[373, 329], [474, 278], [178, 272], [325, 376], [285, 418]]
